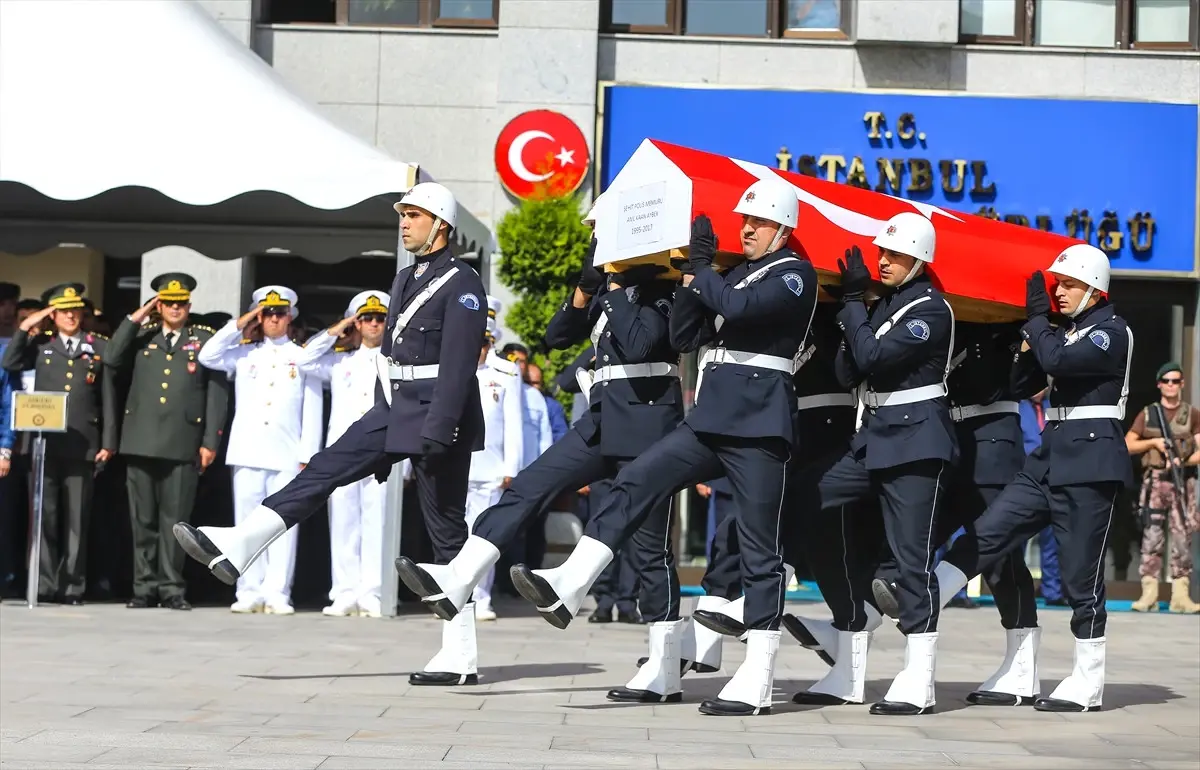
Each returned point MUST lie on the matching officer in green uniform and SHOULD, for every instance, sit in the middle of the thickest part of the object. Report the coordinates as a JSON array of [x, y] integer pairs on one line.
[[173, 423], [67, 359]]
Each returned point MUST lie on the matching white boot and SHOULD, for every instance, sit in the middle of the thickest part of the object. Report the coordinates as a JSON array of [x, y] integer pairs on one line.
[[658, 679], [1083, 690], [911, 692], [228, 551], [446, 588], [748, 693], [846, 682], [558, 593], [700, 645], [455, 663], [950, 581], [729, 618], [821, 637], [1015, 683]]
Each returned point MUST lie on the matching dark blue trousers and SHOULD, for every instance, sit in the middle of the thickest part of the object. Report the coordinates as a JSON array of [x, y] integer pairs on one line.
[[909, 496], [1081, 516], [359, 453], [757, 471], [569, 464], [723, 576]]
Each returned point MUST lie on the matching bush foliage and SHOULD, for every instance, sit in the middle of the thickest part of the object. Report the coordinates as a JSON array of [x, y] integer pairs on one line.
[[542, 245]]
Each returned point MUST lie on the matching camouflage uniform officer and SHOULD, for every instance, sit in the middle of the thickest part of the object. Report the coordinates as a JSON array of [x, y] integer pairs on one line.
[[173, 422], [1159, 505]]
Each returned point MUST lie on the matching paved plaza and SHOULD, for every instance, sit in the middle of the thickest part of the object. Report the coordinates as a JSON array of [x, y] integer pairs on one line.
[[101, 686]]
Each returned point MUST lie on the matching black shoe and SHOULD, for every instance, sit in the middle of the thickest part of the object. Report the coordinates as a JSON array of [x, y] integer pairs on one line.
[[885, 597], [1061, 706], [439, 679], [420, 583], [632, 617], [197, 545], [601, 615], [989, 698], [796, 628], [176, 603], [73, 601], [534, 588], [807, 698], [898, 709], [963, 603], [140, 603], [626, 695], [1059, 602], [718, 707], [719, 622]]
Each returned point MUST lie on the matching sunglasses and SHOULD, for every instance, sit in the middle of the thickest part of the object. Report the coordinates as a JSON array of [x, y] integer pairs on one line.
[[174, 303], [373, 318], [1170, 380], [276, 312]]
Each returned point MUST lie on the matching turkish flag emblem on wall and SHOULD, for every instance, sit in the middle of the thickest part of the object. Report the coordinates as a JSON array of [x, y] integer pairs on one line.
[[541, 153]]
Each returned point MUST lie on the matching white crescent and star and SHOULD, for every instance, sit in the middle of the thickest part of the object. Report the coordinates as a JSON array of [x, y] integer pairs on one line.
[[565, 157]]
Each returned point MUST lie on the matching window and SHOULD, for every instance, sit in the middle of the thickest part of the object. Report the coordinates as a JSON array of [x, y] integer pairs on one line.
[[389, 13], [739, 18], [1082, 23]]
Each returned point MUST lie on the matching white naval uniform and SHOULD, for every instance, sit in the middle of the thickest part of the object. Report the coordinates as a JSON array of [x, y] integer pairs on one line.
[[356, 510], [276, 429], [538, 434], [500, 458]]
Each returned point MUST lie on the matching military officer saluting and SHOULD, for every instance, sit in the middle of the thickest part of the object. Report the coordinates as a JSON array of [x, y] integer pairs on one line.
[[426, 408], [67, 359], [355, 510], [172, 429]]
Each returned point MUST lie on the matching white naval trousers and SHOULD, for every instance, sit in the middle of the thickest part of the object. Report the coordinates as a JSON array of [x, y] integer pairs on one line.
[[269, 578], [482, 495], [356, 540]]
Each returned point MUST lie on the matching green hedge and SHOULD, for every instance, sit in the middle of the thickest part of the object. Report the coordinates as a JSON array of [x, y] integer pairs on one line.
[[542, 245]]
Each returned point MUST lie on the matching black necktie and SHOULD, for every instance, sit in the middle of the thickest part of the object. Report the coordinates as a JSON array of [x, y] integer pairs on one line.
[[70, 347]]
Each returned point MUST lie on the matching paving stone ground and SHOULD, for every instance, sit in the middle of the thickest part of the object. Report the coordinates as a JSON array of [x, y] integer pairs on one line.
[[101, 686]]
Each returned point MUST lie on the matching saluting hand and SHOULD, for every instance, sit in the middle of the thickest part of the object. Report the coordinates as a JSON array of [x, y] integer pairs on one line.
[[855, 276], [1037, 301], [140, 315], [339, 328], [36, 319], [255, 314]]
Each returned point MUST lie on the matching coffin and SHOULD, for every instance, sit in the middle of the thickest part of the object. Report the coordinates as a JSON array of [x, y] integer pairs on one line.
[[981, 265]]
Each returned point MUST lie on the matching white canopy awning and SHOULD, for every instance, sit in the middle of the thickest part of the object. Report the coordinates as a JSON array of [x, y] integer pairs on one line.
[[132, 124]]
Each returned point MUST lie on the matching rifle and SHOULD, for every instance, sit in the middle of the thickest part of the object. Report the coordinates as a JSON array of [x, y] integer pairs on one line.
[[1174, 461]]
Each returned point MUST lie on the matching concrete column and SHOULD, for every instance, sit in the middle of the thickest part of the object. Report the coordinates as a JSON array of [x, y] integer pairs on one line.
[[220, 283], [547, 60]]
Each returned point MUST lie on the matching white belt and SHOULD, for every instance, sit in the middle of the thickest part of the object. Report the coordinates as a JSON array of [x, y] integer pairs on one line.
[[1104, 412], [825, 399], [757, 360], [408, 373], [634, 371], [874, 400], [960, 413]]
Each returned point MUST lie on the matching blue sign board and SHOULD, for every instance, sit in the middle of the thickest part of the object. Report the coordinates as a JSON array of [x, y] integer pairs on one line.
[[1120, 175]]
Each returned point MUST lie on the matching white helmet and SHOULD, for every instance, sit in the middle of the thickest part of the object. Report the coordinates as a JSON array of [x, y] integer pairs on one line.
[[908, 233], [434, 198], [773, 199], [1083, 262]]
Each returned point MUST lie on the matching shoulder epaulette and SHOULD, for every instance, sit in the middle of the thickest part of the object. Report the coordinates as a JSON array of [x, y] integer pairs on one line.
[[48, 333], [148, 325], [204, 328], [341, 349], [247, 341], [97, 336]]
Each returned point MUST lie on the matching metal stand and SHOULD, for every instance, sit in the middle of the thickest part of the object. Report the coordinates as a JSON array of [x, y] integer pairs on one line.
[[35, 535]]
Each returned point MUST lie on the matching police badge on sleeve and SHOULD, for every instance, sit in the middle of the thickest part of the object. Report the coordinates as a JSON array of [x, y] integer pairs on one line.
[[918, 329], [794, 283], [1100, 339]]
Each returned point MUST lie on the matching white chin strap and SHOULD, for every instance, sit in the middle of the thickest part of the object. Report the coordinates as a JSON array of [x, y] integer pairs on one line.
[[433, 231], [1087, 295], [776, 241], [918, 265]]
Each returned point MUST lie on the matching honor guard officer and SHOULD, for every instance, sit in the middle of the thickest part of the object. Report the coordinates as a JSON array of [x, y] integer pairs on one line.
[[495, 466], [173, 425], [355, 510], [898, 354], [1072, 480], [426, 408], [756, 320], [67, 359], [634, 399], [277, 427], [987, 421]]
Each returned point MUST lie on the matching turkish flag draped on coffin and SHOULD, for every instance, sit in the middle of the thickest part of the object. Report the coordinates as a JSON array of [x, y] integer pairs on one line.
[[980, 264]]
